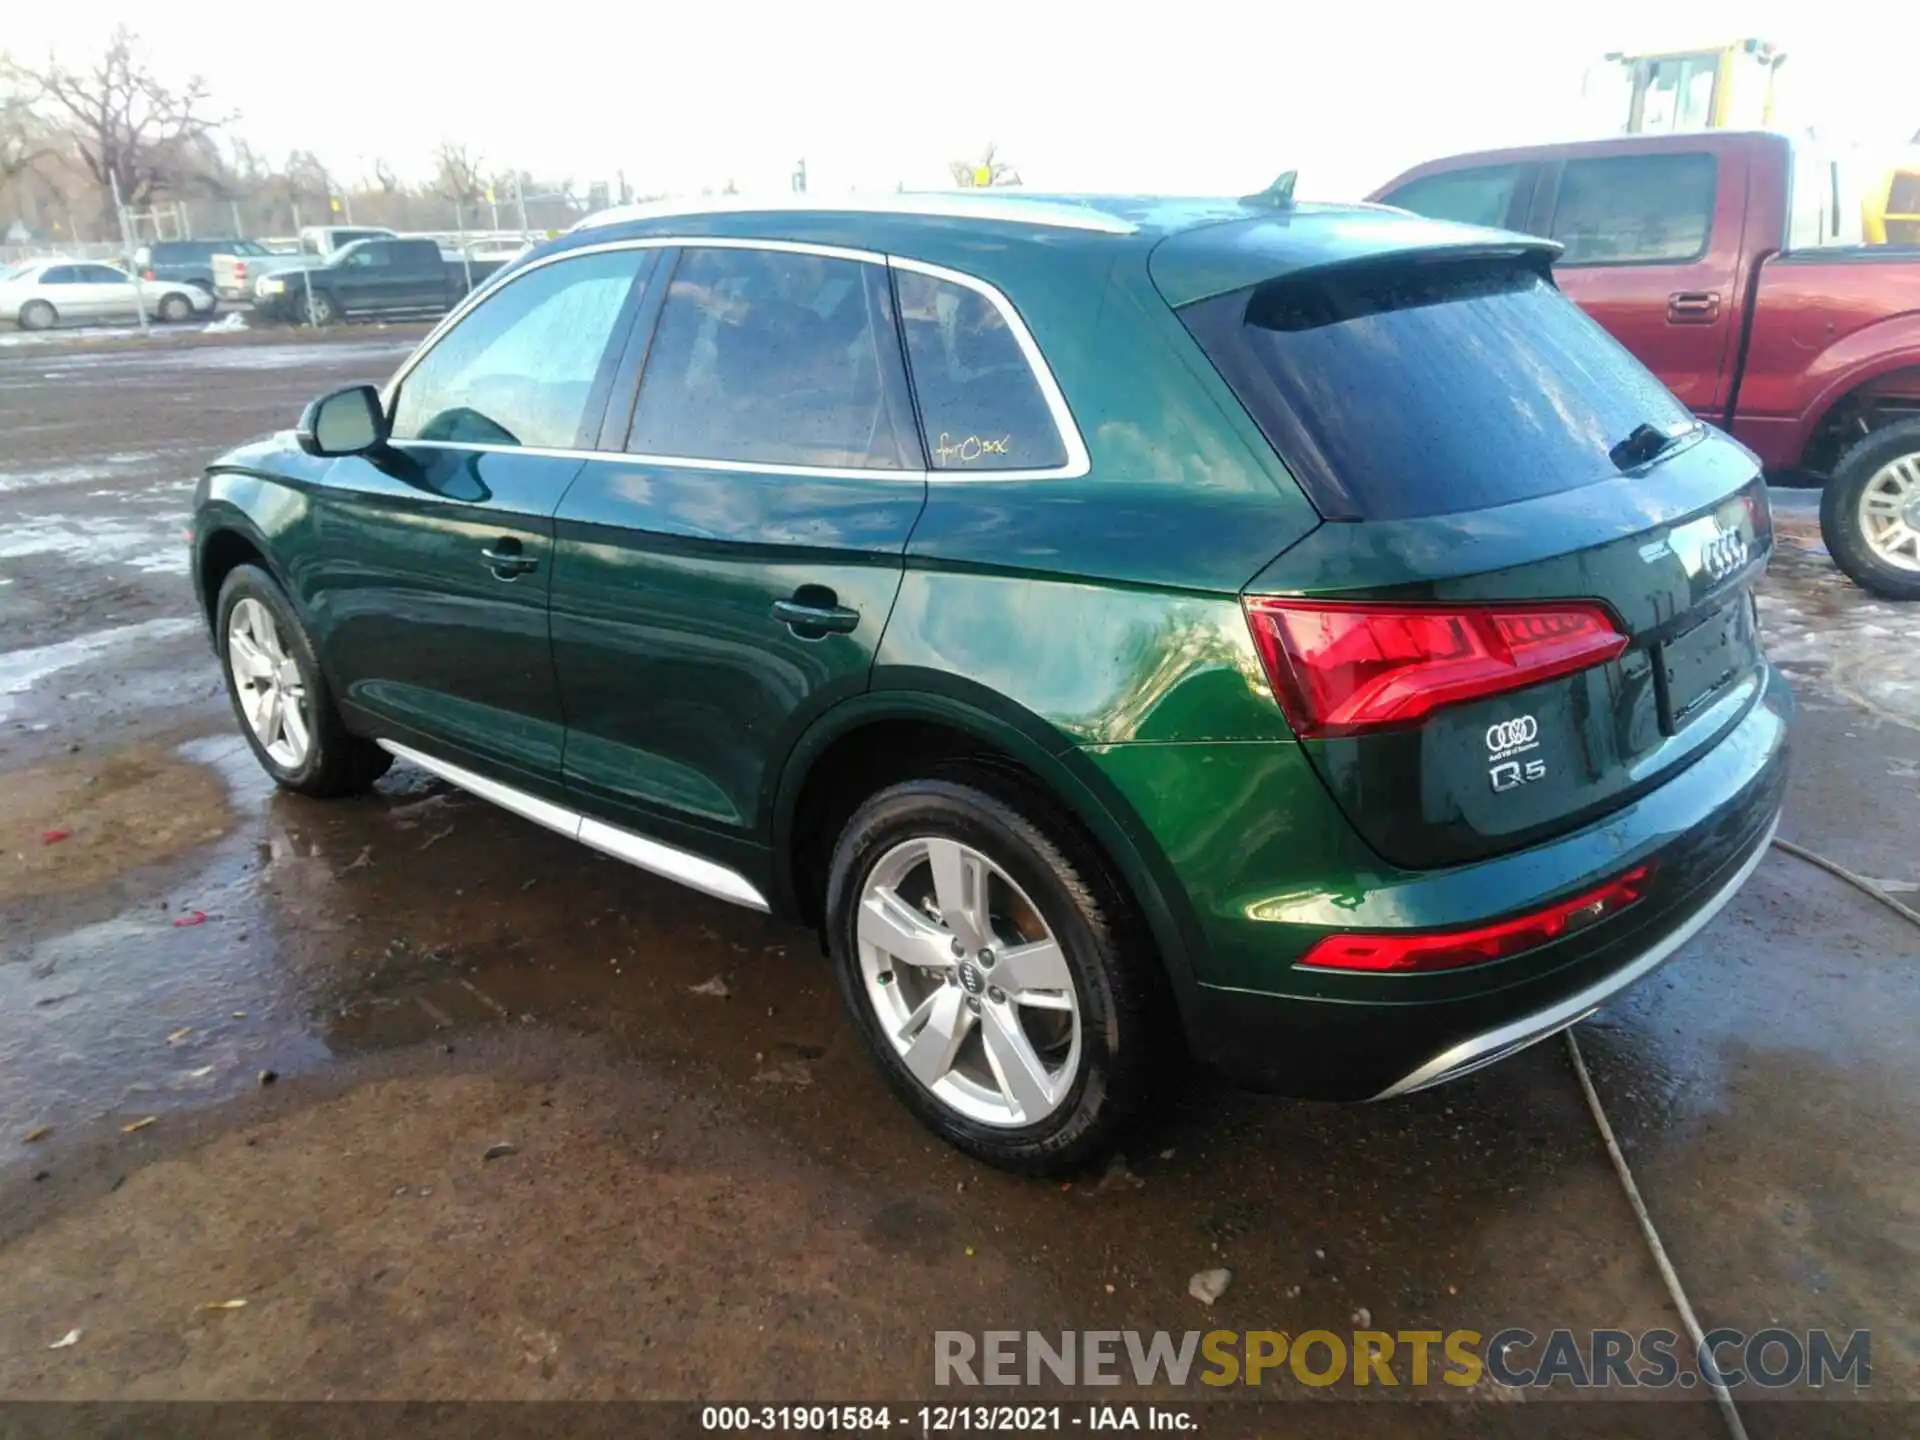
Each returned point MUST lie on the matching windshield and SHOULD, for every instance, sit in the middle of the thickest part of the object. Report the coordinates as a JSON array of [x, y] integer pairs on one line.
[[15, 271], [1398, 390]]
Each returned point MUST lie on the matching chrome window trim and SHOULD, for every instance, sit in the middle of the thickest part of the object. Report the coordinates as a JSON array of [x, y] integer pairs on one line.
[[681, 462], [696, 872], [1078, 461]]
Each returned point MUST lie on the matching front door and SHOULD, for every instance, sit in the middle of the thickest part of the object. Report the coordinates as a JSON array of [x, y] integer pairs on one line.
[[729, 577], [1653, 245], [435, 555]]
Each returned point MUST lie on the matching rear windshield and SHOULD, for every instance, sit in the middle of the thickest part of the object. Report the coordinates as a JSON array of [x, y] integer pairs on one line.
[[1425, 389]]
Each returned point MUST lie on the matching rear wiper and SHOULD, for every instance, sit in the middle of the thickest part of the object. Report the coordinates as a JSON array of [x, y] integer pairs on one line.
[[1648, 442]]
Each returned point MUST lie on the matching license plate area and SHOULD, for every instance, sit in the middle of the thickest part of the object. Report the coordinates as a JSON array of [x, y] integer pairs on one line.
[[1695, 666]]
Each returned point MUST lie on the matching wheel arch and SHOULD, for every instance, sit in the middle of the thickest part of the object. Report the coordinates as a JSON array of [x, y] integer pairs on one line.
[[225, 538], [1887, 384], [880, 737]]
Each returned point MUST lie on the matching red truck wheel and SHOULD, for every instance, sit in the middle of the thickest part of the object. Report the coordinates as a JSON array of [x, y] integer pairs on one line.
[[1870, 512]]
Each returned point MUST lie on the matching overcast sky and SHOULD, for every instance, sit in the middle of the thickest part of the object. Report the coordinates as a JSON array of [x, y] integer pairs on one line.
[[1194, 96]]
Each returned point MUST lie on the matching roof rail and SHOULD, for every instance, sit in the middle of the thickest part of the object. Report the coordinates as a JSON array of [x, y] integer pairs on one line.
[[958, 204]]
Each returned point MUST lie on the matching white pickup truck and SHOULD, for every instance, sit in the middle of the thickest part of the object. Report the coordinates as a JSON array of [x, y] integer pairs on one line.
[[236, 276]]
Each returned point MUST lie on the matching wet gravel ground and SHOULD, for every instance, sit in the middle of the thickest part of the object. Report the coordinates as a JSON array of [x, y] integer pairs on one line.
[[716, 1198]]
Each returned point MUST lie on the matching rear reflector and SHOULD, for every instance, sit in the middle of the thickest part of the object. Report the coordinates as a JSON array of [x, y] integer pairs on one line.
[[1400, 951], [1346, 668]]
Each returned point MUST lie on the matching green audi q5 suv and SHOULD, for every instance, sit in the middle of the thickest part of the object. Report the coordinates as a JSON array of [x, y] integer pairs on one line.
[[1291, 634]]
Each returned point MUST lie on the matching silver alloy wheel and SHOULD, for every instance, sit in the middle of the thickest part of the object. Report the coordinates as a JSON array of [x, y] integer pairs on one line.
[[1890, 512], [969, 983], [266, 677]]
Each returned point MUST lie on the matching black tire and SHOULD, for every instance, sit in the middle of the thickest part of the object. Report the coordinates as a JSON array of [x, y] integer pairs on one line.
[[1840, 524], [337, 762], [175, 307], [1112, 965], [38, 315], [320, 309]]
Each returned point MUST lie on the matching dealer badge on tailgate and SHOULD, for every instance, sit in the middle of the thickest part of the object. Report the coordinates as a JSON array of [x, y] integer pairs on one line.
[[1507, 742]]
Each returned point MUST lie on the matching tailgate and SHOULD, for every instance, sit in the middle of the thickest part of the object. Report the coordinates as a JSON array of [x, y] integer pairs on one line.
[[1674, 566], [1533, 601]]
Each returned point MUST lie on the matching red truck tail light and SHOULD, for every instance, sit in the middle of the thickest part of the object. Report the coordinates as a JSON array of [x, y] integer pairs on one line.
[[1341, 668], [239, 269], [1405, 951], [147, 275]]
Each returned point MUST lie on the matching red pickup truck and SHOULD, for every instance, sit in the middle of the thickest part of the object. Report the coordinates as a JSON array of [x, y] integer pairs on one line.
[[1731, 264]]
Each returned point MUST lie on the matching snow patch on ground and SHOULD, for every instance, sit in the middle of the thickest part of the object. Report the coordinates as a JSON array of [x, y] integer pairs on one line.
[[21, 670]]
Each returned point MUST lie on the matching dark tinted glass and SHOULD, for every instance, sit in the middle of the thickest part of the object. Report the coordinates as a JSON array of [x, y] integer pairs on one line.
[[520, 368], [1481, 196], [979, 401], [102, 275], [61, 275], [770, 358], [1627, 209], [1424, 390]]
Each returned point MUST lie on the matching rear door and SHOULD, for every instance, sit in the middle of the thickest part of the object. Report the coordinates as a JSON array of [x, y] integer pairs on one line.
[[1653, 245], [727, 578], [1524, 623], [434, 558]]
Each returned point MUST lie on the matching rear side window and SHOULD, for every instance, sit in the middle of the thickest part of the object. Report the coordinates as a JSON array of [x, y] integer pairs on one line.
[[1634, 209], [1480, 196], [766, 357], [1401, 390], [980, 403], [524, 366]]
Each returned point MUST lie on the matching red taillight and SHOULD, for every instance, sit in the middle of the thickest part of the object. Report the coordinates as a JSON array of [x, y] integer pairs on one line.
[[1447, 950], [146, 275], [1343, 668], [239, 269]]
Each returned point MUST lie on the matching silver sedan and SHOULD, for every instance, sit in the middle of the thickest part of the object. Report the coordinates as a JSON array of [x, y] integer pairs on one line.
[[39, 294]]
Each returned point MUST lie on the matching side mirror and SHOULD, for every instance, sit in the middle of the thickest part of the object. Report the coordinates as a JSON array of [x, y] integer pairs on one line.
[[347, 422]]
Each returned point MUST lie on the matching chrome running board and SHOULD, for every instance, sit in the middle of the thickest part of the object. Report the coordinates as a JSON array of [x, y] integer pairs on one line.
[[687, 868]]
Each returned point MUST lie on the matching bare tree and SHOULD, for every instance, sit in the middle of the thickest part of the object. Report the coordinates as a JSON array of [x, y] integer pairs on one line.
[[457, 175], [24, 141], [125, 124], [988, 169]]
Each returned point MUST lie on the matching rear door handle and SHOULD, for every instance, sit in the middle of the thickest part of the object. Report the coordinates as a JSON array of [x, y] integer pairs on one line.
[[810, 618], [1693, 307], [506, 559]]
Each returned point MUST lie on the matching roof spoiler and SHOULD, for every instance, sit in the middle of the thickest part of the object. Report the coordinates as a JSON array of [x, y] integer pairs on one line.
[[1277, 196]]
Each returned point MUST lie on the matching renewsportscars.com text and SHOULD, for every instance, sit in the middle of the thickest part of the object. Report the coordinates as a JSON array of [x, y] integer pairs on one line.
[[1516, 1358]]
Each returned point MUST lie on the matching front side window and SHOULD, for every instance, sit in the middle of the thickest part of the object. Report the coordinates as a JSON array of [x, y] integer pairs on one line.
[[521, 367], [1634, 209], [61, 275], [767, 357], [1480, 196], [979, 399]]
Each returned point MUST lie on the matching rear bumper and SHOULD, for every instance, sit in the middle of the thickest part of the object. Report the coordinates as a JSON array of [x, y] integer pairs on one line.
[[1261, 1019], [1476, 1052]]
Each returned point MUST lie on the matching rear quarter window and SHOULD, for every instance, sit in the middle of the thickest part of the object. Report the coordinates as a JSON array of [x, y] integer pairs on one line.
[[1394, 390], [980, 402]]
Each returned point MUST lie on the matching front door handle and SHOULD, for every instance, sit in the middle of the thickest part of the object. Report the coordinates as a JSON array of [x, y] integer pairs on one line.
[[506, 559], [1693, 307], [815, 611]]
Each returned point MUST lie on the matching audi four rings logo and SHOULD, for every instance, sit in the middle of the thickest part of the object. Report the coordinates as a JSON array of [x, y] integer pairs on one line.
[[1504, 737], [1724, 554]]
